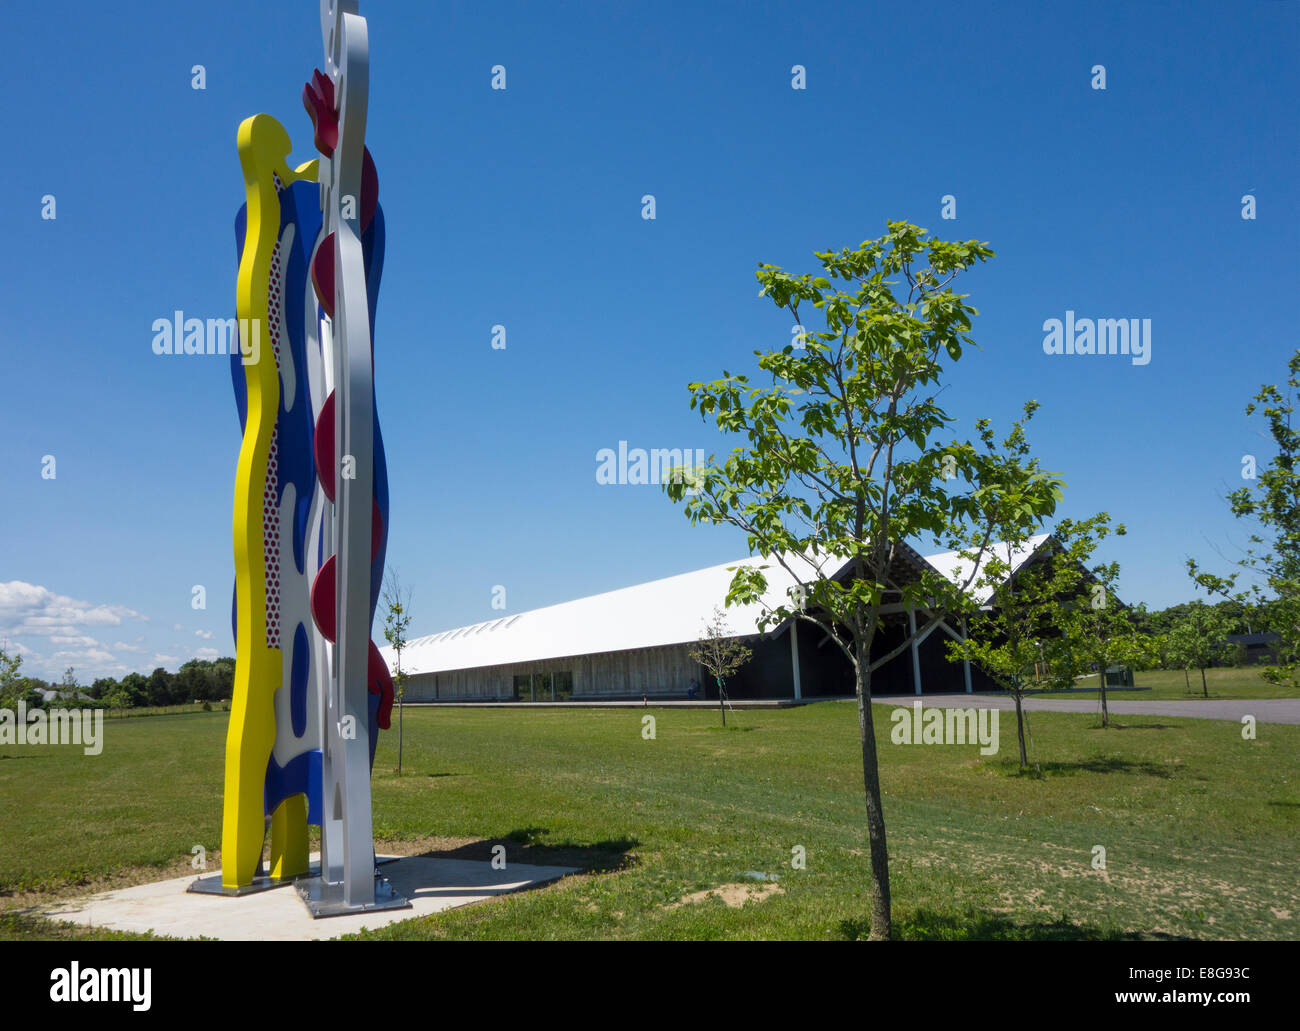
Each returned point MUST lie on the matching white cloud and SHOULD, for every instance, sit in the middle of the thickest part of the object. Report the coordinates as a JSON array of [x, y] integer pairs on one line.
[[163, 660], [95, 658], [34, 610], [30, 612], [205, 634], [206, 653], [85, 642]]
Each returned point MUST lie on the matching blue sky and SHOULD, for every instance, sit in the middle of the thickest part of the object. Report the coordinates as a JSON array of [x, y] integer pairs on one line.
[[523, 208]]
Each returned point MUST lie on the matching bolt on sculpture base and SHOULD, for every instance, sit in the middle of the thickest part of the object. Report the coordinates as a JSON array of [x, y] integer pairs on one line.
[[324, 899]]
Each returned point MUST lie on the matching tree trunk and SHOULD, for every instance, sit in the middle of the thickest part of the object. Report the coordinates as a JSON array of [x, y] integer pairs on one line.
[[399, 737], [1187, 680], [1020, 727], [1101, 680], [1204, 689], [881, 922], [722, 705]]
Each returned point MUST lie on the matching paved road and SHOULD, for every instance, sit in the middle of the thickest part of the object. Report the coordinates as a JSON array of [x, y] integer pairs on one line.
[[1265, 710]]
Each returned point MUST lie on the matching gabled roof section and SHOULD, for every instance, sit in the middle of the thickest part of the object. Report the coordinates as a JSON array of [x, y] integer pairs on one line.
[[957, 568]]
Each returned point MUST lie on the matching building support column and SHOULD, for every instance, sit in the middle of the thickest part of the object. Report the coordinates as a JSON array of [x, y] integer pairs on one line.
[[916, 663], [965, 663], [794, 658]]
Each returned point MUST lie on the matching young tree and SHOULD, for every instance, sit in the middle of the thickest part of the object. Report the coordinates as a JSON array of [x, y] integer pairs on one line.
[[1272, 504], [1012, 634], [397, 617], [1095, 629], [1201, 637], [1020, 587], [13, 688], [1176, 649], [840, 463], [1003, 637], [721, 654]]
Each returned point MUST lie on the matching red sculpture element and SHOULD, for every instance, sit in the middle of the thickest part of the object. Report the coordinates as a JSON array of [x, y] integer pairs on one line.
[[324, 597], [324, 610], [318, 99], [381, 683], [322, 275], [322, 447]]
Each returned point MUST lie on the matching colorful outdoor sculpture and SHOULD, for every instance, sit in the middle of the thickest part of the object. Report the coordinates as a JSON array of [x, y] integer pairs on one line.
[[311, 496]]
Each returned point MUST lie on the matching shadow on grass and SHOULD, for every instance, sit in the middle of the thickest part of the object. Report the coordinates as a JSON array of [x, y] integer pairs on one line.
[[524, 846], [927, 925], [1097, 764], [1117, 725], [1137, 726]]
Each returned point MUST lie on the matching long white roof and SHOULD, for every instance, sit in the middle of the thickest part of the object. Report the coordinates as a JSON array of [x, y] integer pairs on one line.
[[673, 610]]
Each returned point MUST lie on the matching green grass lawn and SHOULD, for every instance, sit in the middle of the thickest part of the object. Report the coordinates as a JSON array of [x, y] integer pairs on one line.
[[1170, 685], [1199, 826]]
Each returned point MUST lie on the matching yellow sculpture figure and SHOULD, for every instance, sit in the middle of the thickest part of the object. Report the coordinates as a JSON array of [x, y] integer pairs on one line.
[[264, 148]]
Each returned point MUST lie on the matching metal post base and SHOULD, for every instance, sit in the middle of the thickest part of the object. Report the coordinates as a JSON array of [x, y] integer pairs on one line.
[[324, 899], [211, 884]]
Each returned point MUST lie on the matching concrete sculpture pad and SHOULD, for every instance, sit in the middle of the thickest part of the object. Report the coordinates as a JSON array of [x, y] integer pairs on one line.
[[165, 907]]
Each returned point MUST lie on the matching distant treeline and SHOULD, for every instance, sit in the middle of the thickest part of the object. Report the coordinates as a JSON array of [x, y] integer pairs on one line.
[[199, 680], [1240, 619]]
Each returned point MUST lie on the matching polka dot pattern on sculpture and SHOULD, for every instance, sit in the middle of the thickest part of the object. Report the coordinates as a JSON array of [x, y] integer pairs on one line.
[[271, 535], [270, 495]]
